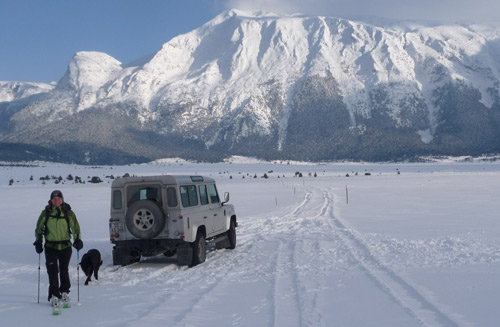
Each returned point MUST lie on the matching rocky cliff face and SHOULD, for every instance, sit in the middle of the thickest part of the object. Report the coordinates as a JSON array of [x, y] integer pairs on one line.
[[292, 87]]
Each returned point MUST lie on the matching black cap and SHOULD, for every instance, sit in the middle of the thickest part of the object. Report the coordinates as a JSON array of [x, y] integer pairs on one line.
[[56, 194]]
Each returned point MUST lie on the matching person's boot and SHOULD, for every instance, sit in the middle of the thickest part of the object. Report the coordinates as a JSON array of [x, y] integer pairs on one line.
[[56, 305], [66, 300]]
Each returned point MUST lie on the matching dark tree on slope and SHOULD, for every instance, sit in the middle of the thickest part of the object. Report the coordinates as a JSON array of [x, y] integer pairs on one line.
[[318, 127], [466, 126], [384, 138]]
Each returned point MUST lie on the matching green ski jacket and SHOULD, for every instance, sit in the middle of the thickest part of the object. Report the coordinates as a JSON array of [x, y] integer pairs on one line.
[[53, 224]]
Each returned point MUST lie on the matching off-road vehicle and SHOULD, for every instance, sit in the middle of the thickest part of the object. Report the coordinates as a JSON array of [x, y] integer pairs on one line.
[[173, 215]]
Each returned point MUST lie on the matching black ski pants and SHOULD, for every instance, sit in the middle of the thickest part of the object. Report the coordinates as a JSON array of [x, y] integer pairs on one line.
[[57, 263]]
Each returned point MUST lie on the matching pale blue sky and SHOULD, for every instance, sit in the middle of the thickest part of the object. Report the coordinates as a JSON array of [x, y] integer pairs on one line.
[[38, 38]]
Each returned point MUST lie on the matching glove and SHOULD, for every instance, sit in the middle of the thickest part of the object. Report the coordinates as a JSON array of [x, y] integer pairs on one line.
[[78, 244], [38, 246]]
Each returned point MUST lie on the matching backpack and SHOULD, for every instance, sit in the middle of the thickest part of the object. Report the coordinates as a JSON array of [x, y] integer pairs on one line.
[[65, 210]]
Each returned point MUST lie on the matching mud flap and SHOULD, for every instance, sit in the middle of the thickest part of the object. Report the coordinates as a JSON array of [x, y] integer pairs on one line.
[[223, 244], [184, 255], [121, 256]]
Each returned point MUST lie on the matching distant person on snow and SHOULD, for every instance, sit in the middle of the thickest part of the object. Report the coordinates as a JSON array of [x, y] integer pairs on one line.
[[56, 223]]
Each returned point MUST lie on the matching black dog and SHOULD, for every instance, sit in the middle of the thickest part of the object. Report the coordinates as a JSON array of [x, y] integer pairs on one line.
[[91, 261]]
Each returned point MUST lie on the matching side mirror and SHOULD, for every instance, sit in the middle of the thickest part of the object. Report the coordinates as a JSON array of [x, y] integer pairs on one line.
[[226, 197]]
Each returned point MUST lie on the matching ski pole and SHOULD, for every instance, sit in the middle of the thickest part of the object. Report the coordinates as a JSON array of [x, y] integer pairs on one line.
[[78, 273], [39, 255]]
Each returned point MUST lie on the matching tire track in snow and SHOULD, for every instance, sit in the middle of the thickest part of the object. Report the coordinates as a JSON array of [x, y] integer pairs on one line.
[[286, 299], [287, 308], [299, 208], [294, 303], [423, 310], [177, 290], [148, 273], [196, 298], [286, 295], [300, 229], [312, 280], [160, 303]]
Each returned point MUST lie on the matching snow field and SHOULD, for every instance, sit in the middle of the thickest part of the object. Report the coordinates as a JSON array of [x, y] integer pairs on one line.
[[420, 248]]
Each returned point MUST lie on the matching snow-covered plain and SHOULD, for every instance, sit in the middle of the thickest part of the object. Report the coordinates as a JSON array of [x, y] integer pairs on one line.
[[416, 248]]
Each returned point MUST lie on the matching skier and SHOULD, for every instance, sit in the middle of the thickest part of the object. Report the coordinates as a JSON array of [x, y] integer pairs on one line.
[[56, 223]]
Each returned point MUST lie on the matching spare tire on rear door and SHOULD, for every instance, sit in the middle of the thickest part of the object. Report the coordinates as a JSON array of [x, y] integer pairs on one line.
[[144, 219]]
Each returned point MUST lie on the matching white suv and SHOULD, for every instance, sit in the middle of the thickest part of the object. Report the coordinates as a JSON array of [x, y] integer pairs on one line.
[[169, 214]]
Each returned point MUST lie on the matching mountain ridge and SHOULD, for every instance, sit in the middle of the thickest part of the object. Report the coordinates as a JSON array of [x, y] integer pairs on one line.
[[286, 86]]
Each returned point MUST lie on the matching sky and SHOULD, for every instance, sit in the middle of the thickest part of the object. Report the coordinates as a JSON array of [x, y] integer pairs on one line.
[[39, 38]]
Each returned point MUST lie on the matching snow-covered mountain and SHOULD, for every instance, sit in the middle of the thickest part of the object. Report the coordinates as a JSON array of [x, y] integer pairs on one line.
[[10, 91], [276, 86]]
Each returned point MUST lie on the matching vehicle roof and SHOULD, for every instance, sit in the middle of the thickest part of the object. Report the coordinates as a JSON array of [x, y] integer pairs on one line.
[[163, 179]]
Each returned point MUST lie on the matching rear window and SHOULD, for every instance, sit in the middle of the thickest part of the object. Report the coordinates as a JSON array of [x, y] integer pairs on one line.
[[172, 197], [117, 199], [137, 193]]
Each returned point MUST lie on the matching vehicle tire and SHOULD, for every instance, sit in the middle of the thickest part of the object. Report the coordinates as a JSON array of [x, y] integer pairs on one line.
[[144, 219], [199, 249], [231, 235]]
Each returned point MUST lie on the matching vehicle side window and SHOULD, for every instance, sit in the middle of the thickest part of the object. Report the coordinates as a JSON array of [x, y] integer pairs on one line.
[[171, 197], [189, 196], [214, 196], [203, 194]]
